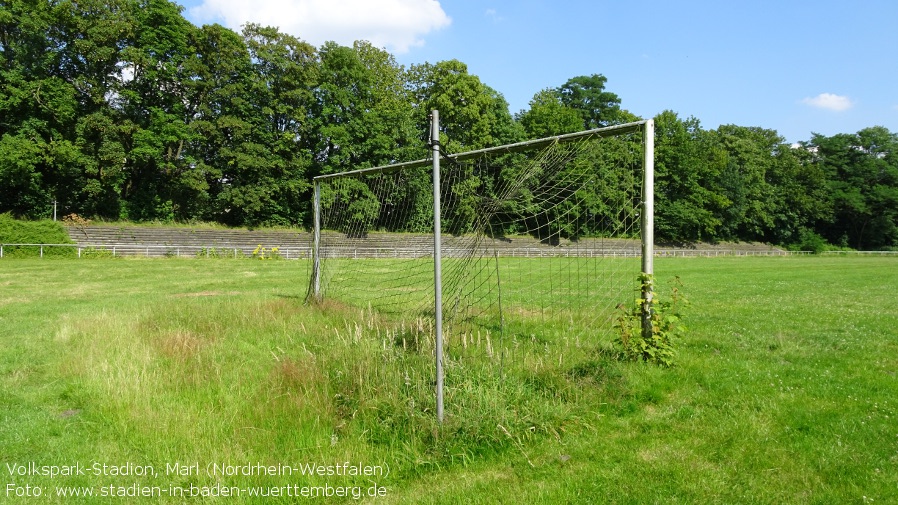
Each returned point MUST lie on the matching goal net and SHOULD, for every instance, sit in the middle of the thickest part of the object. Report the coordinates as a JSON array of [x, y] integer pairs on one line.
[[541, 243]]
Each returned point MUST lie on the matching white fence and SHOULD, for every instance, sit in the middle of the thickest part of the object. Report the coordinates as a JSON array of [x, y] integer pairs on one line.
[[173, 251], [195, 251], [861, 253]]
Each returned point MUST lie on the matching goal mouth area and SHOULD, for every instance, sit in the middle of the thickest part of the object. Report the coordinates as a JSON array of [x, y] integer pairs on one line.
[[579, 196], [567, 193]]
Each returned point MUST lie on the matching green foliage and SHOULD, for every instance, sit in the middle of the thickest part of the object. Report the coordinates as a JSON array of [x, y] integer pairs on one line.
[[652, 339], [14, 231], [548, 116], [472, 115], [125, 110], [21, 188], [265, 253], [97, 253], [219, 253], [862, 178], [587, 95], [810, 241], [31, 232], [687, 166]]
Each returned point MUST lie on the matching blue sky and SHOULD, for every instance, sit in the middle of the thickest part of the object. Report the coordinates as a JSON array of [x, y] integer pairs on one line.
[[796, 67]]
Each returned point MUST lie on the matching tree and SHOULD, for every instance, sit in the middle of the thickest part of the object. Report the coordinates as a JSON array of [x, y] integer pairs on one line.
[[284, 71], [862, 170], [22, 190], [799, 194], [744, 181], [225, 149], [59, 75], [156, 99], [472, 115], [364, 118], [548, 116], [687, 164], [587, 95]]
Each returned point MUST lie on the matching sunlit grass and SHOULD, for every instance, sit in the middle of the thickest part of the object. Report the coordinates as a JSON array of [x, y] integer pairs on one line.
[[783, 393]]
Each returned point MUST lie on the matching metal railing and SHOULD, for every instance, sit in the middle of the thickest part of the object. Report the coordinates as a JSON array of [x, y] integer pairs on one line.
[[861, 253], [710, 253], [355, 252], [159, 251]]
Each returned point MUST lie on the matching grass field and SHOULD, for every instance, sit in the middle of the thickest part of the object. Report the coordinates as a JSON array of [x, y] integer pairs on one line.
[[547, 299], [178, 377]]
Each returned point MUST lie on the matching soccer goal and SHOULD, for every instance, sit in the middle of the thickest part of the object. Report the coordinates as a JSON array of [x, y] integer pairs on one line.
[[516, 252]]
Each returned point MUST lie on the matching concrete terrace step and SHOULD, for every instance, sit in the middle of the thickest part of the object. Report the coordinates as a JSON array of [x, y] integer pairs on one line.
[[185, 236], [160, 241], [164, 241]]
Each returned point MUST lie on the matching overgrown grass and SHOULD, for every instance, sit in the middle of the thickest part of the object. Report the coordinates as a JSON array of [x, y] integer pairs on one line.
[[14, 231], [784, 390]]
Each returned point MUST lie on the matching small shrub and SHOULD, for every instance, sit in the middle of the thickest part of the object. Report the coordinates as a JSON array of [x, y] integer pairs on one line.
[[813, 242], [263, 253], [658, 345], [220, 253], [96, 253], [212, 252]]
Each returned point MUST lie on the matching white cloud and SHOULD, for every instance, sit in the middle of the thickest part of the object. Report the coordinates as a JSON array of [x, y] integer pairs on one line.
[[395, 24], [494, 15], [829, 101]]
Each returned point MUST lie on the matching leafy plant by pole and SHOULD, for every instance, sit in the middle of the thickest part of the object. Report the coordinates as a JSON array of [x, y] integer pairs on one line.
[[665, 315]]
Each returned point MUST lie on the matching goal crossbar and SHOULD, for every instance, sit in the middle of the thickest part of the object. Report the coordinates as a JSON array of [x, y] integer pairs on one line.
[[508, 148]]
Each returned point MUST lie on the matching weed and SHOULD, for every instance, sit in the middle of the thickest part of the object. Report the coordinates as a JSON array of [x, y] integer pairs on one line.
[[263, 253], [648, 330]]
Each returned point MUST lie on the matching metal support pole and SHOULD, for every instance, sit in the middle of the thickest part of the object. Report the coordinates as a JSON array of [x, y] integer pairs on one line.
[[648, 224], [316, 242], [437, 262], [501, 318]]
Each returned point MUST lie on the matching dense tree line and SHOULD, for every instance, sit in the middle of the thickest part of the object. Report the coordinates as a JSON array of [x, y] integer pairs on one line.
[[122, 109]]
